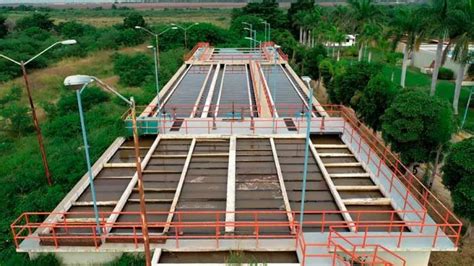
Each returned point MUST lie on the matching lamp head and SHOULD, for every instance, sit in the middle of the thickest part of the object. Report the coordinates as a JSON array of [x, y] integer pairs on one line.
[[68, 42], [138, 27], [76, 82], [150, 47], [306, 79], [174, 28]]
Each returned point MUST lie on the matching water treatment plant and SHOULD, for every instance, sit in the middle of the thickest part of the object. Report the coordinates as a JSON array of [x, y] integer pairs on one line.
[[222, 151]]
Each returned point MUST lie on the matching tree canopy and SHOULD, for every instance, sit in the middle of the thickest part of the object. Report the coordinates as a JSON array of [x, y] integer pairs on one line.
[[458, 177], [375, 99], [415, 125], [351, 81]]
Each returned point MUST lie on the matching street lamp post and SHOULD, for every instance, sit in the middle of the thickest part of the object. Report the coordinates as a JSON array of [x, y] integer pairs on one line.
[[256, 41], [267, 29], [275, 55], [79, 83], [306, 150], [22, 65], [156, 53], [250, 29], [185, 32]]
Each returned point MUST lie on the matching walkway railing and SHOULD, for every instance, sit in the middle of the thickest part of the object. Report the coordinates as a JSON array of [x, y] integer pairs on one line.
[[69, 230]]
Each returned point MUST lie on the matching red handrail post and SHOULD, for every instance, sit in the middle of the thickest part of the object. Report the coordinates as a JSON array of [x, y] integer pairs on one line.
[[365, 236], [94, 233], [217, 230], [400, 235], [28, 224], [135, 240], [15, 239], [435, 236]]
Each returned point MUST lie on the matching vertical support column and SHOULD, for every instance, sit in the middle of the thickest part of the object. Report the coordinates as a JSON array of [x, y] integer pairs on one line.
[[180, 186], [230, 202], [282, 183]]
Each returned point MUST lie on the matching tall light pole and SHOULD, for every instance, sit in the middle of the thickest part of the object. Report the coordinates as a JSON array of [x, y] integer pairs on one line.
[[275, 55], [250, 29], [185, 29], [79, 83], [256, 41], [22, 65], [267, 29], [157, 58], [306, 149]]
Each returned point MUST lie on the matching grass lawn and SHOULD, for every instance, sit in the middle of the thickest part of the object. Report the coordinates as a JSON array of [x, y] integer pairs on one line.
[[444, 89]]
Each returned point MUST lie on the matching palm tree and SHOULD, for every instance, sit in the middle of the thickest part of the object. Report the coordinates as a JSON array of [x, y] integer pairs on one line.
[[408, 23], [439, 29], [311, 21], [299, 22], [371, 34], [363, 12], [462, 21]]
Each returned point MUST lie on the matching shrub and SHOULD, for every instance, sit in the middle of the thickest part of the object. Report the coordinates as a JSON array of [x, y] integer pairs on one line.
[[470, 71], [351, 82], [39, 20], [376, 97], [445, 74], [458, 177], [415, 125], [133, 70], [132, 20]]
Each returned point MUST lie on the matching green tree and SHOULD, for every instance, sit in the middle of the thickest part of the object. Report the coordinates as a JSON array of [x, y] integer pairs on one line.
[[363, 12], [295, 7], [132, 20], [237, 25], [314, 56], [462, 23], [40, 20], [418, 127], [438, 28], [17, 117], [408, 23], [375, 99], [350, 82], [3, 27], [458, 177], [267, 10], [133, 70]]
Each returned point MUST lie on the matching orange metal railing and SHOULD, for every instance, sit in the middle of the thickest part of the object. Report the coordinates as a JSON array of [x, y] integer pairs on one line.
[[417, 202], [195, 48]]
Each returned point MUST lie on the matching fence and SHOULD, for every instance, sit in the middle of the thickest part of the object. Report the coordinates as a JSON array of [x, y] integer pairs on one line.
[[416, 203]]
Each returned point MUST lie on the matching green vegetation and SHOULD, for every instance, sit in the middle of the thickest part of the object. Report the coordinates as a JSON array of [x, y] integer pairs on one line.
[[458, 177], [348, 84], [445, 74], [375, 99], [416, 125]]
